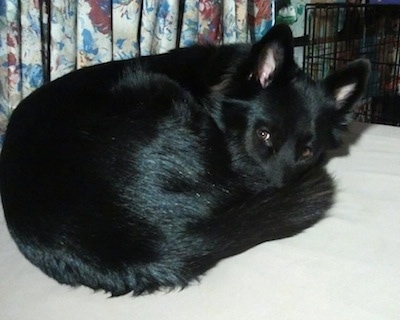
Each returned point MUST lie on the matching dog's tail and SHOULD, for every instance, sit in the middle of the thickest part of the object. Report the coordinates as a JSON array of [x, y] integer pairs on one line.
[[270, 215]]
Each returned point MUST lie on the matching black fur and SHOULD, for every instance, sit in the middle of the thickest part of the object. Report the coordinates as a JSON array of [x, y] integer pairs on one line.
[[135, 176]]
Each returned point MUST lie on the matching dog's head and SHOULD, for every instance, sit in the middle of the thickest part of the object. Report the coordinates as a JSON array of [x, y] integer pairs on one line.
[[278, 116]]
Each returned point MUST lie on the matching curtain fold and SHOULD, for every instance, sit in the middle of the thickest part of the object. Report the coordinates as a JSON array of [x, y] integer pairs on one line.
[[41, 40]]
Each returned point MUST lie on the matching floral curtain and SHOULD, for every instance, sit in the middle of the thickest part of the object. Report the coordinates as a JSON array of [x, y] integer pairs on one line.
[[41, 40]]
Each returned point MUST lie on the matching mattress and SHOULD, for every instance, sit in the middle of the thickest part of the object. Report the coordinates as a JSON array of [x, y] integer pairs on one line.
[[347, 266]]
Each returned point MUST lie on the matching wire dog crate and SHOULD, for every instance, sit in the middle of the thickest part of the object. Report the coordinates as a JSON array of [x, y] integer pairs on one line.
[[340, 33]]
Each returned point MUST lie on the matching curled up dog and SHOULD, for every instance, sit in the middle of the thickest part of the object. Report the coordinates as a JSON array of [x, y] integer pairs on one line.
[[140, 175]]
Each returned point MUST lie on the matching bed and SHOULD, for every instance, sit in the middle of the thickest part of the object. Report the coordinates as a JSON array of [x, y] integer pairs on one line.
[[345, 267]]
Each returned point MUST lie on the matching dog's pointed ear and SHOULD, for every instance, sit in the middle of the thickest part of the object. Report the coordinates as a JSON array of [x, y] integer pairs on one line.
[[347, 86], [272, 54]]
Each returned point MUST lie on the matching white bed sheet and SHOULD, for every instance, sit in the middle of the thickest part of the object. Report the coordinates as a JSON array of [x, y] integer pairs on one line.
[[345, 267]]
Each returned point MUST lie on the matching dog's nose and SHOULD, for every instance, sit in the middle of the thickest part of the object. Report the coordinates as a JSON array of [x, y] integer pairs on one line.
[[282, 175]]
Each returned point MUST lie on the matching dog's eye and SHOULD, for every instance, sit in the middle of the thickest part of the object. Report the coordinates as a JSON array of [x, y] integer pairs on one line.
[[264, 135], [307, 153]]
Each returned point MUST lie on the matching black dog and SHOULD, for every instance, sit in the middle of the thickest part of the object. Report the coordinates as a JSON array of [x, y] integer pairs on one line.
[[140, 175]]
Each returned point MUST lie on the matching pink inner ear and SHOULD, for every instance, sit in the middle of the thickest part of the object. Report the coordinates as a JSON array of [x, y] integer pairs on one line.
[[266, 68], [343, 93]]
